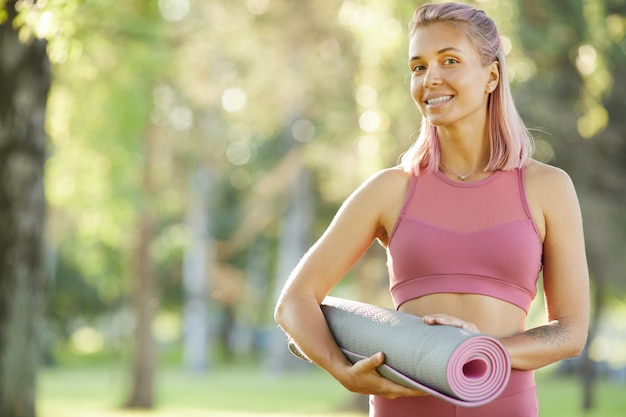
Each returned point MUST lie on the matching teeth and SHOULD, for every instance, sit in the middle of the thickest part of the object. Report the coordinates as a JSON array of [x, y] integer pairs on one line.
[[438, 99]]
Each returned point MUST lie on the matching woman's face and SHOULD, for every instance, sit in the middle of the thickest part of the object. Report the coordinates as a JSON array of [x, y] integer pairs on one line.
[[448, 82]]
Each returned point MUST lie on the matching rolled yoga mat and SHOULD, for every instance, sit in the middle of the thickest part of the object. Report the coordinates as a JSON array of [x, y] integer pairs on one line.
[[461, 367]]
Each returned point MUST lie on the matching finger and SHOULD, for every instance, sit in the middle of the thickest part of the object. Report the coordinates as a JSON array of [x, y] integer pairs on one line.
[[373, 361], [436, 319], [385, 387], [446, 320], [393, 390]]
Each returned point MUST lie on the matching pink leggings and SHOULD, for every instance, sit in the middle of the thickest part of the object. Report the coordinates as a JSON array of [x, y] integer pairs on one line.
[[519, 399]]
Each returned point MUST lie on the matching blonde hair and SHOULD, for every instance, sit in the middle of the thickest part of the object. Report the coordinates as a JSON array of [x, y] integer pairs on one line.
[[511, 142]]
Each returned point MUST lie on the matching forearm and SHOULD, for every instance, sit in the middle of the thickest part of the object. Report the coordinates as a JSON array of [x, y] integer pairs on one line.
[[301, 318], [544, 345]]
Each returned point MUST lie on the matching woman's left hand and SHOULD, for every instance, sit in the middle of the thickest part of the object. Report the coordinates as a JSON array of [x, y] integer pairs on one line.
[[447, 320]]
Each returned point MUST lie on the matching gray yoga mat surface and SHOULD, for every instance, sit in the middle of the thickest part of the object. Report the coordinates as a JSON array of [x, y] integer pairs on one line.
[[459, 366]]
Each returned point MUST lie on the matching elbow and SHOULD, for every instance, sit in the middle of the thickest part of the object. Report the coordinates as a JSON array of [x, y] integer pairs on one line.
[[279, 312], [575, 343], [571, 336], [284, 311], [578, 344]]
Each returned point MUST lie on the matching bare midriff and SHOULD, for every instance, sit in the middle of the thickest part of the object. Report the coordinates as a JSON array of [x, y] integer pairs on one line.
[[492, 316]]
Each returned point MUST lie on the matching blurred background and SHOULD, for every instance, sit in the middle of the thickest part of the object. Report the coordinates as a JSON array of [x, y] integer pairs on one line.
[[189, 153]]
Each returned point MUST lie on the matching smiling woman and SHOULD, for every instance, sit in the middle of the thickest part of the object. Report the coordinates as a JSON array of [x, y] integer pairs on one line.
[[463, 55], [468, 221], [447, 81]]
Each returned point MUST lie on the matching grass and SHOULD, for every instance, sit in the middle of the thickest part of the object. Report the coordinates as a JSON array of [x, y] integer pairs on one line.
[[233, 391], [562, 397], [98, 391]]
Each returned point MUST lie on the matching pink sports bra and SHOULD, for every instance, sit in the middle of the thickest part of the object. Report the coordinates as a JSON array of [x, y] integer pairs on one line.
[[457, 237]]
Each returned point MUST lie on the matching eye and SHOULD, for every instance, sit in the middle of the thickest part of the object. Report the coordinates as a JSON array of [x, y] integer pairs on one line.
[[417, 68], [450, 61]]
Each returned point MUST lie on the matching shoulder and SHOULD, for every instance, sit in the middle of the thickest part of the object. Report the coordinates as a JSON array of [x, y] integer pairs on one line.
[[381, 188], [552, 188], [389, 180], [547, 179], [386, 188], [383, 195]]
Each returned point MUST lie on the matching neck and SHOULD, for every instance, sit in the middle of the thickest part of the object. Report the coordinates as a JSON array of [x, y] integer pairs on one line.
[[464, 152]]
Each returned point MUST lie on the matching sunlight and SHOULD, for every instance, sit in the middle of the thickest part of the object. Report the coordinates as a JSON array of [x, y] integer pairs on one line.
[[174, 10], [238, 153], [44, 25], [303, 130], [348, 12], [234, 99], [586, 60], [370, 121], [87, 340], [507, 44], [616, 27], [366, 95], [593, 122], [182, 118], [167, 327], [258, 7], [521, 70]]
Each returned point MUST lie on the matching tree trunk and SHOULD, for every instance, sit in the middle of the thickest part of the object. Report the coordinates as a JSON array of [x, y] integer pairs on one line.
[[145, 299], [588, 374], [599, 242], [24, 85], [294, 242], [195, 274]]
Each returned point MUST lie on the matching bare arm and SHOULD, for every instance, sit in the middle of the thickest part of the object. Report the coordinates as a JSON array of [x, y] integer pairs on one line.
[[365, 216], [565, 277]]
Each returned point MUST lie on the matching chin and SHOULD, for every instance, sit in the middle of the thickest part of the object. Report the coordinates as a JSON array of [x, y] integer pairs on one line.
[[438, 122]]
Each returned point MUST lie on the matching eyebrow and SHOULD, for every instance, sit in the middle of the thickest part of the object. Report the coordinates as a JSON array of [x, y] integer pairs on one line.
[[439, 52]]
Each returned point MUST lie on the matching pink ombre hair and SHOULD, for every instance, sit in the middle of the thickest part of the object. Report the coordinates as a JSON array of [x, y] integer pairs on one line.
[[511, 142]]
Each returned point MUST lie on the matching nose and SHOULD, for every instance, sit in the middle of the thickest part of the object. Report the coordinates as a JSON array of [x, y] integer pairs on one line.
[[432, 77]]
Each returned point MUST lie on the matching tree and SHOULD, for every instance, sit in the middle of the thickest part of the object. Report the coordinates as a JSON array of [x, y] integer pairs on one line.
[[196, 278], [579, 77], [24, 85], [111, 159]]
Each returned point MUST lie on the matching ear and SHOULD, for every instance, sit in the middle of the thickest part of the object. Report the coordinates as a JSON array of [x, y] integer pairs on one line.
[[494, 76]]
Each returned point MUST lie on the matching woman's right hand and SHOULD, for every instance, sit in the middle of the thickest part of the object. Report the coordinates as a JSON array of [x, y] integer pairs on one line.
[[363, 378]]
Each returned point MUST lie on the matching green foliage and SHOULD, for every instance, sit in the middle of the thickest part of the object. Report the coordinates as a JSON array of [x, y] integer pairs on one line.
[[108, 61], [3, 12], [256, 90], [99, 113], [72, 296], [579, 79]]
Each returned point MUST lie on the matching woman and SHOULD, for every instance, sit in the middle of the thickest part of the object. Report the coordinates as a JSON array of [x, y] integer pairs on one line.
[[468, 221]]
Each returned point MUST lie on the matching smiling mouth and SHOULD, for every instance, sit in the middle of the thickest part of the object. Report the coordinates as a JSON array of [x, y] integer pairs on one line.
[[438, 99]]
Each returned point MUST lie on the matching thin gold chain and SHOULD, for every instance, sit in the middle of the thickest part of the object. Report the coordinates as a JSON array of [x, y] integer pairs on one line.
[[462, 177]]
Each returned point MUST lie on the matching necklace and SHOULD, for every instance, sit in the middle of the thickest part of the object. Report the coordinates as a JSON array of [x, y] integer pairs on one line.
[[462, 177]]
